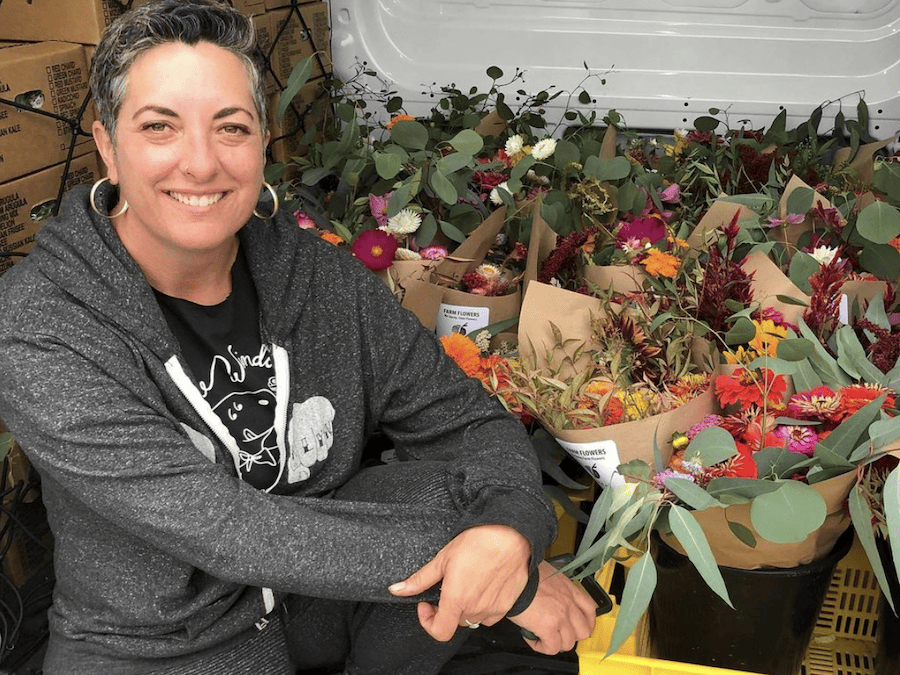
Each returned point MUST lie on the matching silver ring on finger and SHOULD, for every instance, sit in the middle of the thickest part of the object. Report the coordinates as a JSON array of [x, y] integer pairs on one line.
[[472, 625]]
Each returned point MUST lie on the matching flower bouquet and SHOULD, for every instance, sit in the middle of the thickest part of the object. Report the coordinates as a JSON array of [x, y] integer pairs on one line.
[[763, 483], [604, 378]]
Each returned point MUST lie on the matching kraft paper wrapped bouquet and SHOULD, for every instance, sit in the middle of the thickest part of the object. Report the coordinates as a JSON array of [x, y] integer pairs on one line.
[[763, 482]]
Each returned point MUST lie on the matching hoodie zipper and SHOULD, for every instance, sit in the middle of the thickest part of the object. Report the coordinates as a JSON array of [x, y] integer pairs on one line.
[[205, 411]]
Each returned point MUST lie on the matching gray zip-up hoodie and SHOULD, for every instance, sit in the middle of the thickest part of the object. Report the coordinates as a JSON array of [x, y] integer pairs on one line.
[[160, 550]]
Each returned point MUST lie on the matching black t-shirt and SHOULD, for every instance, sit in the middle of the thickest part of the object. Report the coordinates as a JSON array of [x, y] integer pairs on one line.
[[223, 349]]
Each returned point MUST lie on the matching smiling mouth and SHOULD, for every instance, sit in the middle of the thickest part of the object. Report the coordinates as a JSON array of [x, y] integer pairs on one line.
[[196, 200]]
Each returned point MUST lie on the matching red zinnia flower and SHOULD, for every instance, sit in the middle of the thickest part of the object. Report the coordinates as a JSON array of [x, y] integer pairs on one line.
[[375, 249], [746, 388], [855, 396]]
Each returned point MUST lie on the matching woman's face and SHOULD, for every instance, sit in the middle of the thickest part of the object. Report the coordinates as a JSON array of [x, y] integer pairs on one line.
[[189, 151]]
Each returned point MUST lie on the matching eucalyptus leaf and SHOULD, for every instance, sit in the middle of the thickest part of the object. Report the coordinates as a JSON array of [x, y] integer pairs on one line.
[[410, 134], [639, 586], [879, 222], [742, 532], [467, 142], [852, 357], [742, 332], [613, 169], [789, 514], [443, 188], [712, 445], [566, 154], [892, 515], [882, 260], [387, 164], [689, 534], [849, 433], [861, 516], [521, 168], [299, 76], [832, 460], [794, 349], [565, 501], [596, 521], [884, 431], [876, 314], [802, 267], [800, 200], [453, 162], [636, 468], [427, 230], [791, 300], [746, 488], [452, 232], [691, 494]]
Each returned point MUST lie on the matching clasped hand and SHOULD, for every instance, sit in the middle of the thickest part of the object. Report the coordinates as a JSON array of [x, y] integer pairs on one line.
[[482, 572]]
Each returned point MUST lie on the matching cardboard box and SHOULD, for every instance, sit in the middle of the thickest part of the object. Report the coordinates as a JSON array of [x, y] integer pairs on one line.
[[66, 20], [298, 33], [308, 111], [48, 76], [26, 202]]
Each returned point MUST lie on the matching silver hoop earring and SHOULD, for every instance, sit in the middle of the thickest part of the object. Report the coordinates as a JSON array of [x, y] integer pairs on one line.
[[274, 202], [94, 203]]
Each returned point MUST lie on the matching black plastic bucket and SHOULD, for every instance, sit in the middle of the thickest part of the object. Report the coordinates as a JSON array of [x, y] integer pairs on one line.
[[887, 656], [768, 630]]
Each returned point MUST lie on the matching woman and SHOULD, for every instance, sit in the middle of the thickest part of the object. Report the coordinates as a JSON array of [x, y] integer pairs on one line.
[[195, 381]]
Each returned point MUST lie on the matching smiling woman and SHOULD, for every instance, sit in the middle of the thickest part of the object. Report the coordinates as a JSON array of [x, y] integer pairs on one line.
[[188, 160], [196, 385]]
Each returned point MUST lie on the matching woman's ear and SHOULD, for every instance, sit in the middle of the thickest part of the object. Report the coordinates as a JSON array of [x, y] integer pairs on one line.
[[106, 150]]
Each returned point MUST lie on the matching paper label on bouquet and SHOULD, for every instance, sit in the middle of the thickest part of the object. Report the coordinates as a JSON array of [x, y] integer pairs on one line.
[[844, 309], [461, 319], [598, 458]]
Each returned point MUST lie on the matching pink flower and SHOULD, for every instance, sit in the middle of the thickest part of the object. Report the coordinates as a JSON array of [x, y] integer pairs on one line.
[[800, 439], [671, 194], [705, 423], [650, 228], [304, 221], [789, 219], [375, 249], [378, 207], [433, 252]]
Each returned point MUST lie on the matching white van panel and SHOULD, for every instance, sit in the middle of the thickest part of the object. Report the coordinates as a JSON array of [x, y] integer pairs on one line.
[[669, 61]]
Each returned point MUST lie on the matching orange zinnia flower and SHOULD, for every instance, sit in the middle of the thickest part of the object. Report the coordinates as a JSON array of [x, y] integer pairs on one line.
[[856, 396], [465, 352], [332, 238], [660, 264]]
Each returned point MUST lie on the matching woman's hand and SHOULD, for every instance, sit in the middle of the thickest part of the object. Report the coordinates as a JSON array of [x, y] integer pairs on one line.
[[561, 614], [482, 571]]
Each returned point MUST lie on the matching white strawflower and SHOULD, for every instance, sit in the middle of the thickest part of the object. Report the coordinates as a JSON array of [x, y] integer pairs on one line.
[[405, 222], [543, 149], [495, 193], [406, 254], [514, 145], [488, 270], [824, 254]]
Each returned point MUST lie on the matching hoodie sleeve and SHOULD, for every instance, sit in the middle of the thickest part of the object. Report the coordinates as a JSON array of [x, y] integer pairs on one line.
[[432, 410]]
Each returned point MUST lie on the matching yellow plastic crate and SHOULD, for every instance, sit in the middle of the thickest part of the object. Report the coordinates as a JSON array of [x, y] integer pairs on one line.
[[843, 641]]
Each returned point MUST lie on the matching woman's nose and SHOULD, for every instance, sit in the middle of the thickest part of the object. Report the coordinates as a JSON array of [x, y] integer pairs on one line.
[[199, 160]]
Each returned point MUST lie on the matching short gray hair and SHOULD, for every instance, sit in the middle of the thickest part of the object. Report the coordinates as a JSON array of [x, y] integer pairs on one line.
[[159, 22]]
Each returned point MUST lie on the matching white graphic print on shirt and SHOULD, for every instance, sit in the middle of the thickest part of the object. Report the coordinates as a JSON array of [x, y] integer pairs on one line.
[[241, 391], [310, 435]]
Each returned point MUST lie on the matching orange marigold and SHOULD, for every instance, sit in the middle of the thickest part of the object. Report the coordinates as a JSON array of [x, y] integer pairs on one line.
[[660, 264], [400, 118], [465, 352]]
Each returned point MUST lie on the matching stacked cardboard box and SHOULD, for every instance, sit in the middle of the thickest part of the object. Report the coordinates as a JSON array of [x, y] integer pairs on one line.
[[41, 77]]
